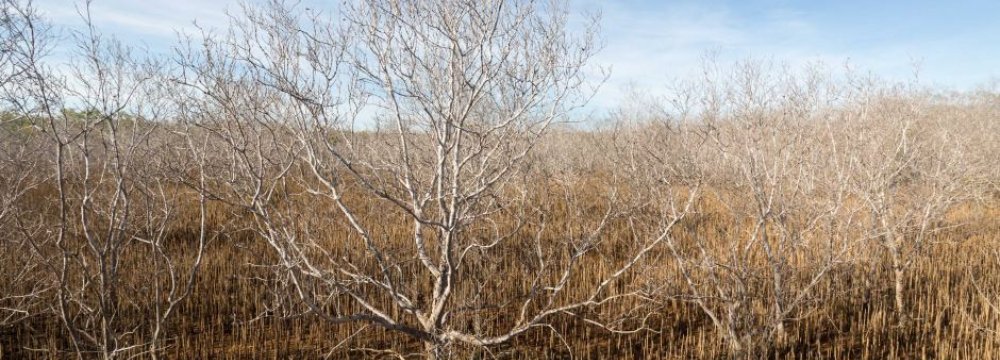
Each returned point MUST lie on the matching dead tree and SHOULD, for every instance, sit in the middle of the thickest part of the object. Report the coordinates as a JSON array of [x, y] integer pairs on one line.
[[756, 138], [453, 96], [909, 170], [25, 285], [101, 122]]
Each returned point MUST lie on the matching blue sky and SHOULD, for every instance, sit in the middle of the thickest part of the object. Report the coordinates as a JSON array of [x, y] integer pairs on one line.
[[650, 43]]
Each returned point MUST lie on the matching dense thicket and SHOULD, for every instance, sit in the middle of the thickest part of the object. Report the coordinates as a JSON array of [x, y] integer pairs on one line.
[[400, 179]]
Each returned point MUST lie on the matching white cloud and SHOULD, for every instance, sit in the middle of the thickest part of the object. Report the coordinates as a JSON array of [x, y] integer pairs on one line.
[[648, 44], [159, 19]]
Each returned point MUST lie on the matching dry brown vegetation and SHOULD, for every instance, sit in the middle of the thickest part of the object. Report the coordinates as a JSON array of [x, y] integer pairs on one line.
[[232, 203]]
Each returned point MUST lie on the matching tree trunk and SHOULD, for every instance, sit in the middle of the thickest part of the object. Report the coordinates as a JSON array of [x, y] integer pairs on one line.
[[735, 346], [728, 332], [898, 283], [780, 335], [432, 351]]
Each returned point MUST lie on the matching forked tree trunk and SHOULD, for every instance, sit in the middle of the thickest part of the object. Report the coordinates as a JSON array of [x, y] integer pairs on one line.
[[898, 273]]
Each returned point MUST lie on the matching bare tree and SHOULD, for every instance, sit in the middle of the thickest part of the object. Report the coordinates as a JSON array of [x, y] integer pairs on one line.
[[455, 95], [25, 284], [173, 183], [100, 122], [760, 134], [910, 169]]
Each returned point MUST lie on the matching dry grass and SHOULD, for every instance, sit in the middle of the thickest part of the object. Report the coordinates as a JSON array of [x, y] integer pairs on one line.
[[233, 312]]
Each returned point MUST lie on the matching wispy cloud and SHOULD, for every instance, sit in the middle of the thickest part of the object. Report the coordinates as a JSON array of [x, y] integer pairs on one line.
[[155, 22], [648, 43]]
